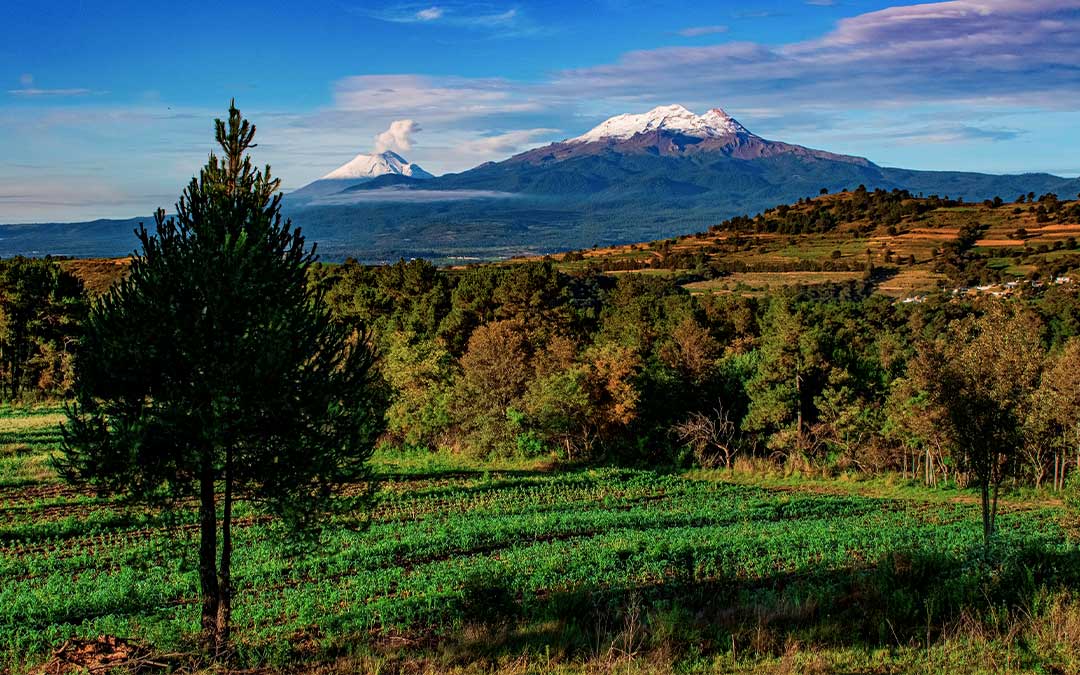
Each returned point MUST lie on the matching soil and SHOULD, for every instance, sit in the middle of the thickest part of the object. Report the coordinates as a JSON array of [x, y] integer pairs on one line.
[[101, 655]]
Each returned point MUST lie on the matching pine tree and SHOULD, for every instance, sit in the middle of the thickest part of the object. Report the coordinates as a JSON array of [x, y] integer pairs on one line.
[[41, 307], [791, 372], [214, 371]]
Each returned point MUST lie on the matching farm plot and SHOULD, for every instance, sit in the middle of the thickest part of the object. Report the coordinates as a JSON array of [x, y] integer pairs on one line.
[[447, 547]]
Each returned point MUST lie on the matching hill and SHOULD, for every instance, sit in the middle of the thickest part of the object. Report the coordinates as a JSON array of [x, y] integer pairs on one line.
[[904, 245], [912, 245]]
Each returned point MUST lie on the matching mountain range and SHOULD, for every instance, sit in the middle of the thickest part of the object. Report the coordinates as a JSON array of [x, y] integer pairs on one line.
[[633, 177]]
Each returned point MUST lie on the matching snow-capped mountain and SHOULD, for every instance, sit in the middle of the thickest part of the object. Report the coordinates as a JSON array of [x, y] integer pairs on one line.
[[372, 166], [633, 177], [674, 131], [673, 118], [361, 169]]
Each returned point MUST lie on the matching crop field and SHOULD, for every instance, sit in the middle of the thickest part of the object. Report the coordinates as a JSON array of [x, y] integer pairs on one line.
[[920, 237], [451, 545], [748, 282]]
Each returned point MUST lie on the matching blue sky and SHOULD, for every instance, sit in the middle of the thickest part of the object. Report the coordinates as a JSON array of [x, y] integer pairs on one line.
[[106, 107]]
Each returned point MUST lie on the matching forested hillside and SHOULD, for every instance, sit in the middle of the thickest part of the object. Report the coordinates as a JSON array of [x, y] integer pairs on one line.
[[778, 338], [901, 244]]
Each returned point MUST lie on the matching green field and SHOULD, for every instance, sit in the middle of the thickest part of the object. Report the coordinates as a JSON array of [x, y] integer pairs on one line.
[[557, 565]]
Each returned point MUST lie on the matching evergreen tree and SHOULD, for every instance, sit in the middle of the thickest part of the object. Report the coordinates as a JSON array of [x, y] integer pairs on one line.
[[214, 371], [41, 309], [791, 372]]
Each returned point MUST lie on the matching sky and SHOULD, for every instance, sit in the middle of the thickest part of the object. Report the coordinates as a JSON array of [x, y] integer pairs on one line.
[[107, 107]]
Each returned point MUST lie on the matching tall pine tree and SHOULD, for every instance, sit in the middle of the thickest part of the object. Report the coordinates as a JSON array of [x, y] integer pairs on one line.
[[215, 372]]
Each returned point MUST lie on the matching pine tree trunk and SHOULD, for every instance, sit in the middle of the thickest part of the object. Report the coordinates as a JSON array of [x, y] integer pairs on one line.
[[208, 552], [984, 489], [224, 608]]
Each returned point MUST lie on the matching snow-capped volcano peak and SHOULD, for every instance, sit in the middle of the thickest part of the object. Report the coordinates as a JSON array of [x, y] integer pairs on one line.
[[674, 118], [371, 166], [721, 121]]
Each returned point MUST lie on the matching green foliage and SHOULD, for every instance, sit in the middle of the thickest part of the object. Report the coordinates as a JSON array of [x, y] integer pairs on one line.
[[420, 374], [42, 309], [981, 376], [790, 374], [214, 366]]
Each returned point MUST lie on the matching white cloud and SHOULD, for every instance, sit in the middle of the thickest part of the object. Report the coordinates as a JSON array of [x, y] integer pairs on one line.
[[397, 137], [462, 14], [498, 146], [429, 98], [499, 19], [33, 92], [1023, 51], [698, 31]]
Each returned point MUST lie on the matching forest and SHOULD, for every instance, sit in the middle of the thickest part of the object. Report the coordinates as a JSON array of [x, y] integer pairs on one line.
[[524, 360]]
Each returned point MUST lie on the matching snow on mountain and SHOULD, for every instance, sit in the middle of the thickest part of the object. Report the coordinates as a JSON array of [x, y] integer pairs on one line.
[[371, 166], [714, 124]]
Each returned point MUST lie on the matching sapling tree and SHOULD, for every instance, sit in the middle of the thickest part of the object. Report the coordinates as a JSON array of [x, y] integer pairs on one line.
[[981, 376], [215, 372]]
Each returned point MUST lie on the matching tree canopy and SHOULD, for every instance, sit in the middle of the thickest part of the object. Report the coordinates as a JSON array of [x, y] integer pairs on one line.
[[215, 371]]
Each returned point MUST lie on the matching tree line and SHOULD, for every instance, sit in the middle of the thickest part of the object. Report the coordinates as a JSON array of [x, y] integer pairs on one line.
[[526, 359]]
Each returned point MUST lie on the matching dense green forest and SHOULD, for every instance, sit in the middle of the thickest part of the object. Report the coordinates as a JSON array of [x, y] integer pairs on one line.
[[525, 360]]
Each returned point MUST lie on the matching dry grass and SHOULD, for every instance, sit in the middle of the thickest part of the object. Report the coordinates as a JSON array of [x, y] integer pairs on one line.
[[26, 423], [910, 281], [765, 280], [98, 274]]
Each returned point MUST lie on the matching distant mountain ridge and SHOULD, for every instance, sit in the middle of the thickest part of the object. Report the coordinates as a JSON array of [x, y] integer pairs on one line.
[[671, 152], [634, 177]]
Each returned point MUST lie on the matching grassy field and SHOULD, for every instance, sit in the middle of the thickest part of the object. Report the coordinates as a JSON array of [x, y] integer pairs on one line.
[[520, 567], [747, 283]]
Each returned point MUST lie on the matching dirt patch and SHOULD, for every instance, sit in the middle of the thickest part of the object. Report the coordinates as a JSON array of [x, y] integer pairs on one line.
[[104, 654], [930, 233], [1059, 228]]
